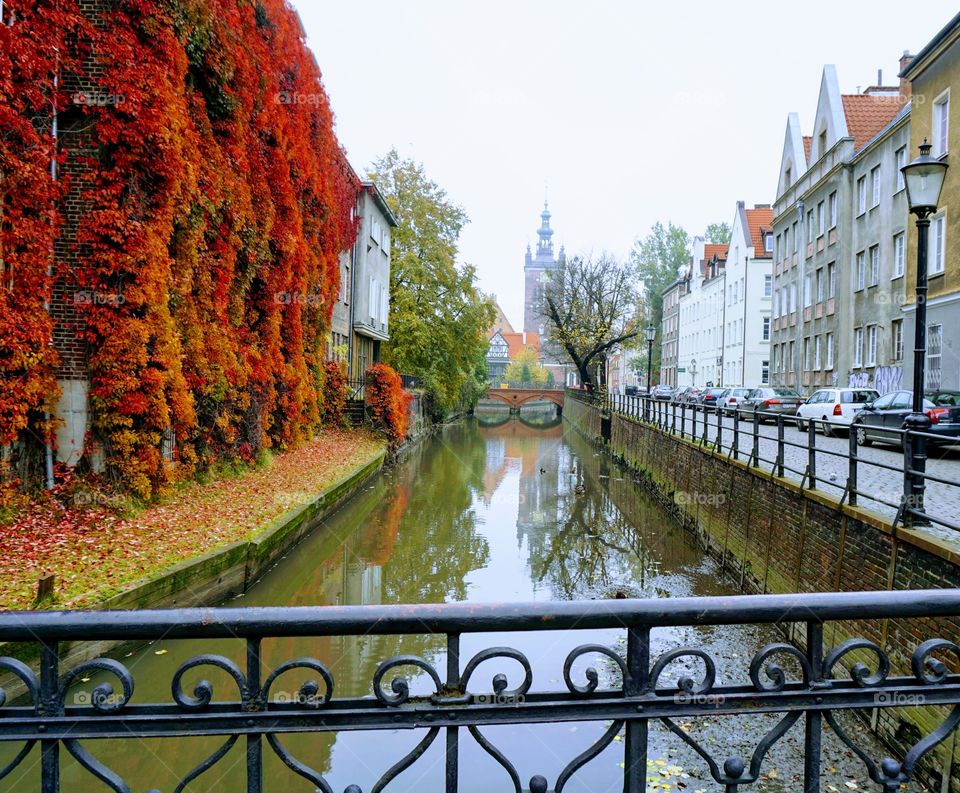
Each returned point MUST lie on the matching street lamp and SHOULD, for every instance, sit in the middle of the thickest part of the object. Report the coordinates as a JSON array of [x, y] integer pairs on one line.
[[651, 335], [693, 371], [924, 180]]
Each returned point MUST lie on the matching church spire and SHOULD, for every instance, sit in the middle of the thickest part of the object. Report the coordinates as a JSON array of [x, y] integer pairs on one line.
[[545, 233]]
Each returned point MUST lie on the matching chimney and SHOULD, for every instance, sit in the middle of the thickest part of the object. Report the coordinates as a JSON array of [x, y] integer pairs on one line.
[[906, 87], [879, 77]]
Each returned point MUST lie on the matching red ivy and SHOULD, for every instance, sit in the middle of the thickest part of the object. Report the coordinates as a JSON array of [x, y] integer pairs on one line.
[[334, 393], [387, 401]]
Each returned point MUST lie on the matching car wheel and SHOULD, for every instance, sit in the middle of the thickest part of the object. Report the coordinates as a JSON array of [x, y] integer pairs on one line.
[[827, 427], [801, 425], [862, 439]]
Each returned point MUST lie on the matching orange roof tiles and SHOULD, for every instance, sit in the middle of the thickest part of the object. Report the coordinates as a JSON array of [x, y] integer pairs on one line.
[[867, 114], [515, 342], [807, 144], [720, 249], [759, 222]]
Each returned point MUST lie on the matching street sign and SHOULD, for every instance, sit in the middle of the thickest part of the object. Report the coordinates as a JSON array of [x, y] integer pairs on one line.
[[681, 369]]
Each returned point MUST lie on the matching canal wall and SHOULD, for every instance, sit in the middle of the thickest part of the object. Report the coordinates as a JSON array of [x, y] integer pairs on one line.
[[213, 577], [771, 535]]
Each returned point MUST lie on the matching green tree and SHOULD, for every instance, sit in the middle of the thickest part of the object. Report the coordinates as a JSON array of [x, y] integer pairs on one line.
[[718, 233], [525, 368], [438, 316], [658, 259]]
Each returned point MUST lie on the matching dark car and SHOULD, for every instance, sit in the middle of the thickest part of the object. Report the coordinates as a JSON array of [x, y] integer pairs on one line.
[[630, 390], [711, 397], [770, 401], [883, 419]]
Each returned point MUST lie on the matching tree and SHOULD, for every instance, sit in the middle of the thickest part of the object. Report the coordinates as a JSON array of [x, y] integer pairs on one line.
[[526, 369], [718, 233], [438, 317], [590, 306], [658, 260]]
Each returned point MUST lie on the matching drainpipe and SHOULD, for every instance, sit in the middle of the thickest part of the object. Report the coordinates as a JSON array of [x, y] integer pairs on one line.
[[723, 328], [801, 282], [743, 342]]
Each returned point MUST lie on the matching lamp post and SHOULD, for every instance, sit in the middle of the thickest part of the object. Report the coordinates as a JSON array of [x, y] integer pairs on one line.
[[693, 371], [651, 335], [924, 180]]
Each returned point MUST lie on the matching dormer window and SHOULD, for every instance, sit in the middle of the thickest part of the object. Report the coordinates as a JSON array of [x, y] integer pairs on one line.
[[823, 143], [786, 179], [768, 242]]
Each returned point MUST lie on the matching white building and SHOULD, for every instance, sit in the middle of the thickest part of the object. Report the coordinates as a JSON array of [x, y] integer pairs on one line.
[[700, 337], [748, 298]]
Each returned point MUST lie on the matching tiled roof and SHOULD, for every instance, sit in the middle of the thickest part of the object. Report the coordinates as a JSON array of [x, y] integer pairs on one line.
[[807, 143], [867, 114], [714, 248], [501, 322], [759, 221], [515, 342]]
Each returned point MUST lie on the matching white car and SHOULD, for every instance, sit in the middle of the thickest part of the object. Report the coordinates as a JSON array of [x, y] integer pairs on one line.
[[836, 407], [731, 399]]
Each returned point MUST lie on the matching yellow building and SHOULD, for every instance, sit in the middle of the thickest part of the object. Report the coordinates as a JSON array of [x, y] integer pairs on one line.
[[935, 115]]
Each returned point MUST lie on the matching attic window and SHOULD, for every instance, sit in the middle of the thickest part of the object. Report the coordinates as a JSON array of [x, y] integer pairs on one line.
[[823, 143], [786, 179], [768, 241]]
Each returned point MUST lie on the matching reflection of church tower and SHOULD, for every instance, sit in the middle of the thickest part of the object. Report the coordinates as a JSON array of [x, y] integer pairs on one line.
[[534, 270]]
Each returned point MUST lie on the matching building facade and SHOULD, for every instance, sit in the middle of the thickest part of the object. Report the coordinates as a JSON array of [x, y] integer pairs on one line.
[[837, 242], [748, 293], [670, 332], [935, 117], [701, 316], [536, 271]]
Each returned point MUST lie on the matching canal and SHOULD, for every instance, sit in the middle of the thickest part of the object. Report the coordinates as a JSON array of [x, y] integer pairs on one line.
[[498, 508]]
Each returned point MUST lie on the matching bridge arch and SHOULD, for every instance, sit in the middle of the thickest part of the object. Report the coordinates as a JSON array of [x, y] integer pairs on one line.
[[516, 397]]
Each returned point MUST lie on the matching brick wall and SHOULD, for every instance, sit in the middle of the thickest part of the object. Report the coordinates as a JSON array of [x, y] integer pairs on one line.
[[771, 536]]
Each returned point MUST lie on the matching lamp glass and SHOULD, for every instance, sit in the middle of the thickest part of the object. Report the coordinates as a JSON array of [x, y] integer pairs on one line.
[[651, 332], [924, 180]]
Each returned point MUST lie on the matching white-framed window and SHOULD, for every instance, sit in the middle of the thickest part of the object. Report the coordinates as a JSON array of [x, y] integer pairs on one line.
[[833, 209], [875, 187], [821, 218], [796, 237], [768, 241], [875, 265], [872, 345], [899, 255], [821, 286], [858, 347], [786, 242], [776, 302], [765, 372], [829, 351], [896, 330], [807, 290], [810, 229], [934, 355], [860, 272], [778, 250], [938, 245], [806, 355], [816, 353], [900, 159], [766, 328], [767, 285], [861, 195], [793, 297], [832, 279], [793, 356], [941, 124]]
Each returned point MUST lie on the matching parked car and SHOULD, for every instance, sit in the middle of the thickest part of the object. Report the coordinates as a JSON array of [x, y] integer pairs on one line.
[[630, 390], [836, 407], [663, 392], [731, 399], [770, 401], [882, 419], [686, 395], [710, 397], [679, 394]]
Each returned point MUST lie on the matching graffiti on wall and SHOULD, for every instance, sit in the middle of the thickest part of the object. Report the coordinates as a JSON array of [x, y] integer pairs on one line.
[[885, 379]]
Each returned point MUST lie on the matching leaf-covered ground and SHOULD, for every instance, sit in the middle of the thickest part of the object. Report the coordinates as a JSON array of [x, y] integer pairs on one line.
[[95, 553]]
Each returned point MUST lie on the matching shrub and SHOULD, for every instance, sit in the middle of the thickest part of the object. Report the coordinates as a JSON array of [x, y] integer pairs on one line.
[[387, 401], [334, 407]]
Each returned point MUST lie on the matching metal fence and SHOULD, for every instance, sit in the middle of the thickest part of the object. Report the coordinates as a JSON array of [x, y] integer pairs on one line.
[[741, 437], [804, 688]]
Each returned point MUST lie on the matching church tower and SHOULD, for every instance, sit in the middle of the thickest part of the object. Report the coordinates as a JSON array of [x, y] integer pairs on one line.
[[536, 269]]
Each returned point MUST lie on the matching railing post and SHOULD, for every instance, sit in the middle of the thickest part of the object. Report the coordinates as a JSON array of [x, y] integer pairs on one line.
[[693, 422], [453, 733], [719, 440], [755, 453], [812, 453], [736, 433], [254, 740], [914, 476], [705, 438], [637, 682], [683, 419], [779, 444], [673, 419], [813, 732], [50, 706], [852, 456]]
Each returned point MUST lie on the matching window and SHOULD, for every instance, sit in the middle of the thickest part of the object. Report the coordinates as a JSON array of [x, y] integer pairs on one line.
[[820, 285], [768, 242], [821, 218], [896, 329], [875, 265], [823, 143], [786, 179], [793, 356], [786, 242], [872, 345], [938, 241], [860, 272], [833, 209], [765, 372], [766, 328], [875, 187], [934, 355], [806, 355], [861, 195], [829, 351], [796, 237], [810, 232], [807, 290], [832, 279], [900, 156], [899, 255], [858, 347], [767, 285], [816, 353], [941, 123], [778, 249]]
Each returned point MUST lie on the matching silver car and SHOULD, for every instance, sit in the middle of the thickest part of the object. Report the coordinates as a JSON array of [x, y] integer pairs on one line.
[[731, 399]]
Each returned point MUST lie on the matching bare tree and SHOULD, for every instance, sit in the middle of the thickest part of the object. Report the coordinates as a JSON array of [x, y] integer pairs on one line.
[[590, 307]]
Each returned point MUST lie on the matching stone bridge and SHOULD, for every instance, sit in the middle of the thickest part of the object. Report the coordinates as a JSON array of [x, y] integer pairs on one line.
[[515, 398]]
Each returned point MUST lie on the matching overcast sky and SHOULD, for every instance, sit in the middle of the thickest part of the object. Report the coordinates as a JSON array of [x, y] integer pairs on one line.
[[628, 112]]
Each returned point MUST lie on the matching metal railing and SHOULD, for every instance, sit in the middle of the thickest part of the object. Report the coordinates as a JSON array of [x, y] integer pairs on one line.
[[739, 435], [806, 687]]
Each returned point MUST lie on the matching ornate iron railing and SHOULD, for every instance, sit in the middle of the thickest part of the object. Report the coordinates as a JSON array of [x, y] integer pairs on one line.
[[806, 687]]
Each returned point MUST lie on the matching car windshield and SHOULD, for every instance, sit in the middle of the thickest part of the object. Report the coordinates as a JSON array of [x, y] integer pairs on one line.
[[944, 399], [858, 397], [715, 391], [741, 391], [787, 392]]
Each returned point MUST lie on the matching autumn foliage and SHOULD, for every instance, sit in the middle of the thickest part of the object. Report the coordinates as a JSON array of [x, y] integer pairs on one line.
[[387, 401], [334, 393], [217, 202]]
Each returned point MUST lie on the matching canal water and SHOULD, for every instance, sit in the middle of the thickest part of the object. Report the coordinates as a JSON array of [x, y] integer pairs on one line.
[[498, 508]]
